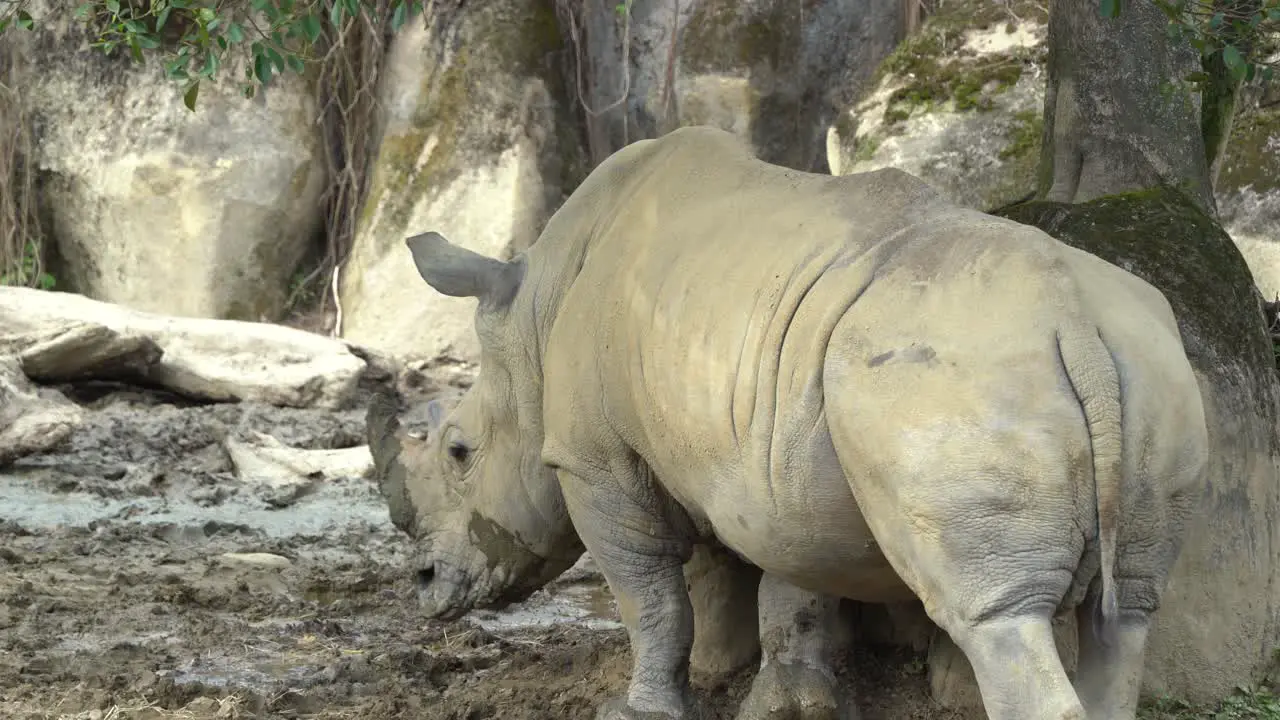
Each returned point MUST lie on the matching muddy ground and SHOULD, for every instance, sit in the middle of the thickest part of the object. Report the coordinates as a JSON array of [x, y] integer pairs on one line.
[[117, 598]]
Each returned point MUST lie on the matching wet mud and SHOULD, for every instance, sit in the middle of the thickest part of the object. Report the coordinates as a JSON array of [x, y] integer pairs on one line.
[[140, 578]]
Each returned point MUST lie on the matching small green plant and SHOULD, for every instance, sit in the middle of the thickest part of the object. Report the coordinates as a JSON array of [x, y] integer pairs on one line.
[[1245, 703], [29, 272]]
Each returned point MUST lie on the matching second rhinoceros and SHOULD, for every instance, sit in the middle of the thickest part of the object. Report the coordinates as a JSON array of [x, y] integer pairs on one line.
[[863, 390]]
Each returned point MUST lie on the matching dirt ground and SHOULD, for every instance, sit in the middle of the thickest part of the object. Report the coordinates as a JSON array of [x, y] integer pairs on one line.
[[118, 598]]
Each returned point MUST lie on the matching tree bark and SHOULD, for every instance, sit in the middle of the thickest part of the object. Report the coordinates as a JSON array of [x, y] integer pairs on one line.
[[1118, 115]]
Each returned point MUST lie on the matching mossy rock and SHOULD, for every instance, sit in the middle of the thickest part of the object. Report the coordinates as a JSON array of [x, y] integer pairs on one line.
[[935, 70]]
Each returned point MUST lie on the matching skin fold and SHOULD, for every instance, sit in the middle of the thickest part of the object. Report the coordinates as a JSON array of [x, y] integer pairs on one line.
[[848, 382]]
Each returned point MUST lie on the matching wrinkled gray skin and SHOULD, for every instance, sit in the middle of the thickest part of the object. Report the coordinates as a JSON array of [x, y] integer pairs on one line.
[[855, 386]]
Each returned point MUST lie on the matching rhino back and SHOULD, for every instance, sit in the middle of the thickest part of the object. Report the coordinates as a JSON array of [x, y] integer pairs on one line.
[[695, 331]]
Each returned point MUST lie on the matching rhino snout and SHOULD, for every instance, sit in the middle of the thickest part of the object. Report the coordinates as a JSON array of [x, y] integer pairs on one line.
[[440, 595]]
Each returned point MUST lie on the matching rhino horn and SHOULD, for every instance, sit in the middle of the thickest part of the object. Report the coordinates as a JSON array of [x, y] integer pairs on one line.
[[459, 272]]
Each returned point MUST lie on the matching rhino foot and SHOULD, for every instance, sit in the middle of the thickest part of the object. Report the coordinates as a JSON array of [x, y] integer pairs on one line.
[[791, 691], [618, 709]]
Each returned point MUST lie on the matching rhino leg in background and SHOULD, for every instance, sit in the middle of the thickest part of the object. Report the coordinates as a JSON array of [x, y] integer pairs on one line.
[[645, 572], [722, 590], [799, 632]]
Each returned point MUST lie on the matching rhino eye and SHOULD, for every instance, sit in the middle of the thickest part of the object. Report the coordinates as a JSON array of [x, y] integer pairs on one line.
[[458, 451]]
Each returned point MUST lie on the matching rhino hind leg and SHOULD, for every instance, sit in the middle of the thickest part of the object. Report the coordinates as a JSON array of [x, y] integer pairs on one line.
[[645, 572], [1109, 675], [799, 631], [1019, 671]]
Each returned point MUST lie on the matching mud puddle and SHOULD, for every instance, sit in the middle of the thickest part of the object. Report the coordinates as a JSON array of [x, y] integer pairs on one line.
[[139, 578]]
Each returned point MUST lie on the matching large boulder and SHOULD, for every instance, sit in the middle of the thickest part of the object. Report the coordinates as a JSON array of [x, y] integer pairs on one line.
[[772, 70], [150, 205], [478, 145], [1219, 623]]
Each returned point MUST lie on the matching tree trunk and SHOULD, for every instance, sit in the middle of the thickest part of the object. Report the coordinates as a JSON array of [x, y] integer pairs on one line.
[[1117, 114]]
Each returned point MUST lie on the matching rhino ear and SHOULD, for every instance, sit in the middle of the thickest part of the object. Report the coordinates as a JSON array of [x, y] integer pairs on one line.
[[459, 272]]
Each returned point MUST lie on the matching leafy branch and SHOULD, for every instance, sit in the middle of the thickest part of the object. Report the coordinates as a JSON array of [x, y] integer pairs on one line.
[[195, 39], [1239, 34]]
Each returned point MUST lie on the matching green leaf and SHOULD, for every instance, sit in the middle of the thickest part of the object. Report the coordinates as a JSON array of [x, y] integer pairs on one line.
[[235, 33], [147, 41], [296, 64], [311, 27], [276, 59], [25, 21], [210, 65], [135, 50], [262, 68], [113, 6], [1234, 61], [84, 10], [1109, 8], [161, 17], [189, 97], [397, 17], [1199, 76], [335, 14]]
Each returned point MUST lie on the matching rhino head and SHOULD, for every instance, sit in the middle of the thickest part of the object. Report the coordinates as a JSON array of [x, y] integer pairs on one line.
[[487, 516]]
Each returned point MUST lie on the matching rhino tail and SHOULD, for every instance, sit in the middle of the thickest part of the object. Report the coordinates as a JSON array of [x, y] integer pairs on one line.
[[382, 422], [1094, 378]]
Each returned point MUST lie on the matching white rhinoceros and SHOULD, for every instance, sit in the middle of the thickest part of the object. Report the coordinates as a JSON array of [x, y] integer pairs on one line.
[[863, 390]]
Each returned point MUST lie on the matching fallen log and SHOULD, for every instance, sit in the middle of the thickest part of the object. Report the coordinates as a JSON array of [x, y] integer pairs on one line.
[[61, 337]]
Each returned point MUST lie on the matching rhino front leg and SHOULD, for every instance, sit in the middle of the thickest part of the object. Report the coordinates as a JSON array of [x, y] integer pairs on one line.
[[642, 556], [798, 637]]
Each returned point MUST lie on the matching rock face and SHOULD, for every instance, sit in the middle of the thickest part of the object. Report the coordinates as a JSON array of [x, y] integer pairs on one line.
[[203, 214], [1219, 623], [1248, 193], [774, 71], [477, 146], [958, 104]]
